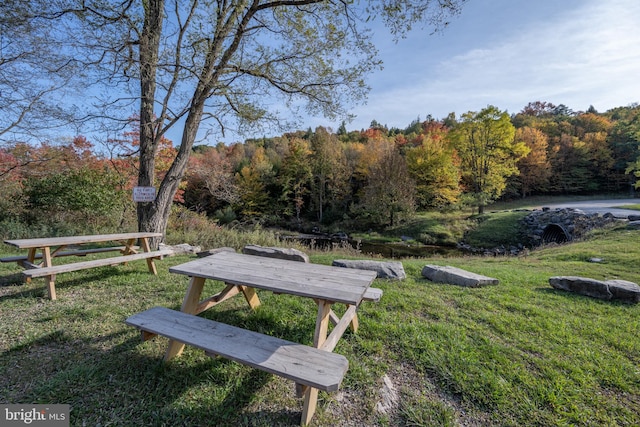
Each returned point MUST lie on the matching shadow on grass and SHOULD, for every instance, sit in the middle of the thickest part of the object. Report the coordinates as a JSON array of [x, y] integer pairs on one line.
[[115, 379], [62, 283]]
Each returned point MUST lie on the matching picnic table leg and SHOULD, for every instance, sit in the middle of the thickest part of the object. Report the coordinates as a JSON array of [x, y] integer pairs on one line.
[[251, 296], [51, 279], [319, 337], [31, 257], [354, 321], [152, 265], [128, 247], [190, 306]]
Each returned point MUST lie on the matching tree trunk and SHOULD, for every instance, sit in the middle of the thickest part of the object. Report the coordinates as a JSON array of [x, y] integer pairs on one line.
[[149, 46], [154, 216]]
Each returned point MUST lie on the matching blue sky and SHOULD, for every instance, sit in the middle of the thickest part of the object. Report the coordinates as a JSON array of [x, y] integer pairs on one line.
[[508, 53]]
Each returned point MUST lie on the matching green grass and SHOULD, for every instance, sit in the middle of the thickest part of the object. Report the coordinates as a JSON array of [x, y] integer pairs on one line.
[[495, 229], [635, 207], [519, 353], [441, 228]]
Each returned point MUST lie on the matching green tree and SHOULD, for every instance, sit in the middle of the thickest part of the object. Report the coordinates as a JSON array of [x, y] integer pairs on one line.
[[253, 196], [488, 153], [571, 169], [624, 141], [295, 176], [85, 200]]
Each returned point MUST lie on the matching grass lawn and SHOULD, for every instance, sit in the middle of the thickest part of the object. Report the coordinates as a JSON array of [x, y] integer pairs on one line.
[[519, 353]]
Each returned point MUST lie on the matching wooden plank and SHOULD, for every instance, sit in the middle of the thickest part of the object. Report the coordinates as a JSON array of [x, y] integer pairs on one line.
[[347, 278], [372, 294], [300, 363], [332, 340], [77, 240], [282, 276], [65, 268], [228, 292], [79, 252]]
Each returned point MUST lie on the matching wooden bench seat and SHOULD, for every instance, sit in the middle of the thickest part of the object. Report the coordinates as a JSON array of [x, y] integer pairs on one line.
[[306, 365], [65, 268], [372, 294], [78, 252]]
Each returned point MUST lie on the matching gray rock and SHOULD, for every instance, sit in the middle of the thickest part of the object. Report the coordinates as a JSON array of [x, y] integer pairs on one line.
[[633, 217], [624, 291], [384, 269], [619, 290], [456, 276], [273, 252], [633, 225], [214, 251], [182, 248], [581, 285]]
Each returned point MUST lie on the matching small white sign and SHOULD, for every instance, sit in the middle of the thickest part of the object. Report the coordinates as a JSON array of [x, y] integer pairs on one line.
[[144, 194]]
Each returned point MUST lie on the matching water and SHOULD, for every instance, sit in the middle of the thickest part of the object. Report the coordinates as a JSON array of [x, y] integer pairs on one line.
[[385, 250]]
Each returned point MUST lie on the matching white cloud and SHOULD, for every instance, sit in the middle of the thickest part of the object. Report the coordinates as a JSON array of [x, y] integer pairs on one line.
[[586, 56]]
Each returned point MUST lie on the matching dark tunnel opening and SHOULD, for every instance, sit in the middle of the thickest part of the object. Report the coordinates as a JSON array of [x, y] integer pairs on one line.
[[554, 233]]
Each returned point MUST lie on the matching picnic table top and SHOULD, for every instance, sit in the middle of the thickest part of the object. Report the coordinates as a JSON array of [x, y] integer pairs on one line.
[[336, 284], [77, 240]]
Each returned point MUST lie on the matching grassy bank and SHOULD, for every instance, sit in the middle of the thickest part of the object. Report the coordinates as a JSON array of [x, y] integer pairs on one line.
[[519, 353]]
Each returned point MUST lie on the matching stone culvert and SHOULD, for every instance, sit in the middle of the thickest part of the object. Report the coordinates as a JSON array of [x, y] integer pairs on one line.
[[561, 225]]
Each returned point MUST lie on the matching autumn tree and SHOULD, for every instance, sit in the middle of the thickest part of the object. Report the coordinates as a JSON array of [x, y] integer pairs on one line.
[[389, 195], [535, 168], [184, 62], [432, 165], [210, 181], [488, 152], [330, 177]]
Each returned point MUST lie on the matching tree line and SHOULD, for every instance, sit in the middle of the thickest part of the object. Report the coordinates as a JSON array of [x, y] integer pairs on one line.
[[379, 176], [368, 178]]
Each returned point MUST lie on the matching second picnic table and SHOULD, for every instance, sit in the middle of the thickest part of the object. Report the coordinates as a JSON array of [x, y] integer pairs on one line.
[[53, 247]]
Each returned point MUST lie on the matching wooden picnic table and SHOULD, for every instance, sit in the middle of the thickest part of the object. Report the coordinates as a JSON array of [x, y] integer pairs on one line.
[[243, 274], [53, 247]]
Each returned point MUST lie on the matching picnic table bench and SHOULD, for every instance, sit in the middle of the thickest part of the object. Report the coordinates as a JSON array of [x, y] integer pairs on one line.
[[53, 247], [311, 368]]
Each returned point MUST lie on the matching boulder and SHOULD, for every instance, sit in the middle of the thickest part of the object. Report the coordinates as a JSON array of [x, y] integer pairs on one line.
[[214, 251], [273, 252], [456, 276], [619, 290], [623, 290], [182, 248], [384, 269], [581, 285], [633, 225]]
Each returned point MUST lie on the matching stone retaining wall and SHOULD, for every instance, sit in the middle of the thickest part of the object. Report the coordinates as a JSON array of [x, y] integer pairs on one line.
[[559, 225]]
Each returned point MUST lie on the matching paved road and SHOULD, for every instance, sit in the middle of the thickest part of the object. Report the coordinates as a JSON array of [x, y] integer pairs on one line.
[[600, 206]]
